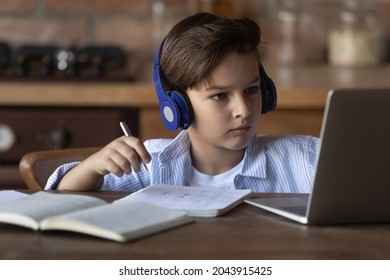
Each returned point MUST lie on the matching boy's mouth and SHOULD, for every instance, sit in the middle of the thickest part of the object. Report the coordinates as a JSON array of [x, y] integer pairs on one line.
[[243, 129]]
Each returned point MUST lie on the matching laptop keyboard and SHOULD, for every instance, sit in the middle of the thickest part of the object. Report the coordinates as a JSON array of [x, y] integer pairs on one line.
[[298, 210]]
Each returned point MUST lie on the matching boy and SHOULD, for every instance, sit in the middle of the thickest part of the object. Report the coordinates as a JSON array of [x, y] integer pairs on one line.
[[210, 83]]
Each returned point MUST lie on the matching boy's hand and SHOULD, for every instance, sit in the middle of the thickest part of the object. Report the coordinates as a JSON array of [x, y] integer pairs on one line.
[[123, 155]]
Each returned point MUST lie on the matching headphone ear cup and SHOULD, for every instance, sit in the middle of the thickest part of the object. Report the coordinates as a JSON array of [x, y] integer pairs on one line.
[[185, 112], [169, 113], [175, 107], [268, 91]]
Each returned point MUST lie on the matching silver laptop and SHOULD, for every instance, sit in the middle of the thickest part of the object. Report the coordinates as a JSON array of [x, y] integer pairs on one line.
[[352, 181]]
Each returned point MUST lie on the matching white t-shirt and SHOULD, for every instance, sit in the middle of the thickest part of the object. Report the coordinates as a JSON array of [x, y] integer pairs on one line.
[[224, 180]]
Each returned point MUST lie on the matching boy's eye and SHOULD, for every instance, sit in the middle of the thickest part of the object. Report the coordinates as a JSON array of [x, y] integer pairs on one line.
[[252, 90], [219, 96]]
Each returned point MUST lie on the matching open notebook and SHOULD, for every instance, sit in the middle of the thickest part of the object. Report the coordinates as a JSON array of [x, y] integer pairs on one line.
[[352, 181]]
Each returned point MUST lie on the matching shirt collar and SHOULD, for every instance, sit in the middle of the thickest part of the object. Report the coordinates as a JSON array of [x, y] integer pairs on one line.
[[179, 146], [254, 158]]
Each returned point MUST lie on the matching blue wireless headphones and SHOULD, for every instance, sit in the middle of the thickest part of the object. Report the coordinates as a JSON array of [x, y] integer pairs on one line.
[[175, 107]]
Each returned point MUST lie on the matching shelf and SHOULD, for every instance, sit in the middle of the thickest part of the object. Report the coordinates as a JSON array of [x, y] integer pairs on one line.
[[77, 94], [124, 95], [302, 92], [297, 86]]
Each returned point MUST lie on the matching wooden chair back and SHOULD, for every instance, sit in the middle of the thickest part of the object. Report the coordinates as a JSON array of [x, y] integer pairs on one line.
[[36, 167]]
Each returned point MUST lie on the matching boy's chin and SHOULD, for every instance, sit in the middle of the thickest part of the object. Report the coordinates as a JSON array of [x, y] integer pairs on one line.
[[239, 145]]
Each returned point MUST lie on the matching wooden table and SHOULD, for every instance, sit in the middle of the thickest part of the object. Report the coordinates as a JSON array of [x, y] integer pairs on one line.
[[246, 232]]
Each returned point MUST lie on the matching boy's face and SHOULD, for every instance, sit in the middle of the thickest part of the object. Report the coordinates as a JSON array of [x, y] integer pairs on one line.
[[227, 107]]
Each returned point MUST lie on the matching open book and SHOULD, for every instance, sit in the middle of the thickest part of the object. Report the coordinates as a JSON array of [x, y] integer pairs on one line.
[[8, 195], [195, 201], [120, 221]]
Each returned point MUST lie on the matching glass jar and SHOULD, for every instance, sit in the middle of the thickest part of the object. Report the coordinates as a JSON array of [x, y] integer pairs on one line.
[[298, 34], [357, 38]]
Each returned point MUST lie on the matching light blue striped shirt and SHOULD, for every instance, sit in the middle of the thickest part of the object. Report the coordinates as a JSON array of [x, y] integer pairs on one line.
[[284, 164]]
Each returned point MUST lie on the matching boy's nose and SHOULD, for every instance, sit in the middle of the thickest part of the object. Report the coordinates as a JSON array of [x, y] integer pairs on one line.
[[241, 107]]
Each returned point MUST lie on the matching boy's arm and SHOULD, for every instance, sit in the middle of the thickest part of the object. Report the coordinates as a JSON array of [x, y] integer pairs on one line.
[[80, 178], [121, 156]]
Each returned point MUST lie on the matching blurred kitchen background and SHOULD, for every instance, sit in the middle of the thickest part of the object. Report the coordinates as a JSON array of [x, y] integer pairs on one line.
[[92, 38], [71, 70]]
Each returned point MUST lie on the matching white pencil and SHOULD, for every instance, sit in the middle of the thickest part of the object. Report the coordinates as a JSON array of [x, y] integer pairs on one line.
[[127, 132]]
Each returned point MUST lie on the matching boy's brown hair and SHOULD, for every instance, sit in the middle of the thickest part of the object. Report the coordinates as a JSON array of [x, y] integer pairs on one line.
[[197, 44]]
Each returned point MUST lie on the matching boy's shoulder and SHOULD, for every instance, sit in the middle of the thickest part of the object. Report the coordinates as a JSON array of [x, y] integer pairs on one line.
[[287, 140]]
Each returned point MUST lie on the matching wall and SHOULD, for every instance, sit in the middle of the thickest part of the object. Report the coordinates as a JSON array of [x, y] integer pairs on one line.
[[136, 26], [125, 22]]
